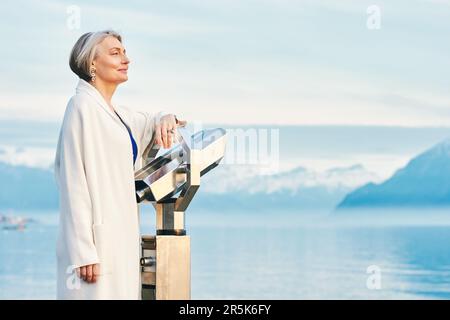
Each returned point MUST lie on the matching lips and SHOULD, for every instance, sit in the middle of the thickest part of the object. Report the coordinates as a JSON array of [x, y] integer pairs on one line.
[[123, 70]]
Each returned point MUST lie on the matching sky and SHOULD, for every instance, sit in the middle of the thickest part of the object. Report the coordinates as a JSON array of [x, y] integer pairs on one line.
[[267, 62]]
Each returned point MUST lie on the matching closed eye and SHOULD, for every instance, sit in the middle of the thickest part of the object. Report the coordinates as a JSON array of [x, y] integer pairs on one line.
[[117, 50]]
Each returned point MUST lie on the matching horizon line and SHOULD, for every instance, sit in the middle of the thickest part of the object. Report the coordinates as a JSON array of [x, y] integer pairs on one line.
[[227, 124]]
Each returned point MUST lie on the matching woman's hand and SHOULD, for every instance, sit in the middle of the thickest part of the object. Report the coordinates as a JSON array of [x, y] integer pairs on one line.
[[89, 273], [165, 130]]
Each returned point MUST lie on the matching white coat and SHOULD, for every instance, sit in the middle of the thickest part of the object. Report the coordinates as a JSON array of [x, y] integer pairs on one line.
[[99, 217]]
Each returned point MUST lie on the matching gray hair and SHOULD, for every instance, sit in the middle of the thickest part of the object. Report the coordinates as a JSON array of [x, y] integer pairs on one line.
[[84, 52]]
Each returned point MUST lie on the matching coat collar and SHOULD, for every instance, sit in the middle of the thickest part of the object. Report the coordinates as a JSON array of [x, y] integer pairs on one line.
[[86, 87]]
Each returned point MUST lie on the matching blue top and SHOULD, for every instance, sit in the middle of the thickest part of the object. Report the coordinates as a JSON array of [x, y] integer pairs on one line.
[[133, 142]]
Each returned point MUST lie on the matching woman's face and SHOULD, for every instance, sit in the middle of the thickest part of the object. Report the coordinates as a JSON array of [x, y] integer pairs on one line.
[[111, 62]]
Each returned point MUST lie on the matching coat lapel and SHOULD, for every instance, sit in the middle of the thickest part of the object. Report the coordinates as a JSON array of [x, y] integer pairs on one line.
[[84, 86]]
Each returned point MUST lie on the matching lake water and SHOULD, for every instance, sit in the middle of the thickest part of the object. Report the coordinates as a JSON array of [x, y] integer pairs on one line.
[[240, 256]]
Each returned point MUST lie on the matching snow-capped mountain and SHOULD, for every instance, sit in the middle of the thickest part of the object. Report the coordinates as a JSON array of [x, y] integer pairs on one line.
[[423, 182], [225, 188], [247, 179], [299, 189]]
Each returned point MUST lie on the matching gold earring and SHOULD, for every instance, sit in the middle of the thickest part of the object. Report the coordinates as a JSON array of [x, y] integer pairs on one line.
[[93, 74]]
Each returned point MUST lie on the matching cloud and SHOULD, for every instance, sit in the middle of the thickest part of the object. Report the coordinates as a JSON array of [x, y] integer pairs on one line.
[[244, 62], [35, 157], [445, 2], [246, 94]]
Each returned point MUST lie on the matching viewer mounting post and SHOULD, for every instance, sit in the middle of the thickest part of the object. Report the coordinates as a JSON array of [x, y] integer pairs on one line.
[[169, 180]]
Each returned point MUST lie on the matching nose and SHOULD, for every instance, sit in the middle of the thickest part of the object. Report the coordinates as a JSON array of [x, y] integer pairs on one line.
[[125, 59]]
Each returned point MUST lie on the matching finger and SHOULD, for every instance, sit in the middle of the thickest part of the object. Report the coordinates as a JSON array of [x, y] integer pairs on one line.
[[96, 269], [167, 134], [95, 272], [89, 273], [83, 273], [181, 123], [169, 138], [158, 138], [164, 134], [171, 133], [173, 121]]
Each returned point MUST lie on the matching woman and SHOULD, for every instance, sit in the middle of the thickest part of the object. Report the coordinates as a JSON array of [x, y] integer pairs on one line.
[[98, 151]]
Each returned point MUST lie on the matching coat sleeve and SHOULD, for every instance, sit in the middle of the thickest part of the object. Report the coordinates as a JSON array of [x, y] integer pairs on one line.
[[76, 218], [143, 126]]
